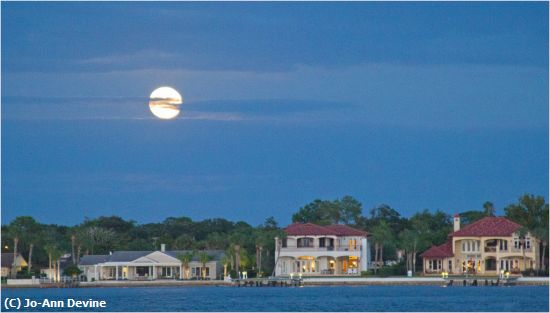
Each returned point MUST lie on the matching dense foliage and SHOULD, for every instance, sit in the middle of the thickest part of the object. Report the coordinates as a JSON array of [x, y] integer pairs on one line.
[[393, 236]]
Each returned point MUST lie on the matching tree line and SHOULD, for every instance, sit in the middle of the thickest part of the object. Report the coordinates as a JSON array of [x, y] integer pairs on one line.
[[393, 237]]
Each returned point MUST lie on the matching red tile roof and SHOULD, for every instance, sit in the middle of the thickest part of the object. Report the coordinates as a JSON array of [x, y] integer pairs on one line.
[[443, 251], [488, 226], [309, 229]]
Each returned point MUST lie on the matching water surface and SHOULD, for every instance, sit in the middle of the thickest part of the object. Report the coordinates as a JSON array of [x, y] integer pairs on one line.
[[318, 298]]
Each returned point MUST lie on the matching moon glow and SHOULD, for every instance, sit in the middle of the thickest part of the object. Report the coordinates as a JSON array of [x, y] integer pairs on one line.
[[164, 103]]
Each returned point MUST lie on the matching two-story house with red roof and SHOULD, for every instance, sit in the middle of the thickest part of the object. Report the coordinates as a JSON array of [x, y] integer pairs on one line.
[[487, 246], [311, 249]]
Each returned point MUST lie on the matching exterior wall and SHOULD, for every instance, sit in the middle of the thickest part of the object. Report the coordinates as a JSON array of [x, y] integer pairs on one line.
[[5, 271], [441, 265], [213, 269], [348, 255], [486, 255]]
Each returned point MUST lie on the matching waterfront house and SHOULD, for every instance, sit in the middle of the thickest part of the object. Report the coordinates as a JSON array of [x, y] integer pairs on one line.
[[149, 265], [487, 247], [311, 249], [7, 263]]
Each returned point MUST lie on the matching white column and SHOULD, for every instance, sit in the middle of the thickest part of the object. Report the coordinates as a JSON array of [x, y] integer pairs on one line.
[[116, 272], [154, 272], [96, 273], [364, 255]]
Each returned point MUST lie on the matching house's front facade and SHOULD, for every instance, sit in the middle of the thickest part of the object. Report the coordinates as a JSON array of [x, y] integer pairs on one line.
[[311, 249], [486, 247], [149, 265], [7, 263]]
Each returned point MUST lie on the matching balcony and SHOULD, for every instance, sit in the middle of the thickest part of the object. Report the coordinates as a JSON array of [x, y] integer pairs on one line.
[[329, 248], [519, 250], [491, 249]]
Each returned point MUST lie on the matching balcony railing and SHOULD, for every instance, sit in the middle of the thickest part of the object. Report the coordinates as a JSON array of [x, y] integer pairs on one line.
[[330, 248], [491, 249], [519, 250]]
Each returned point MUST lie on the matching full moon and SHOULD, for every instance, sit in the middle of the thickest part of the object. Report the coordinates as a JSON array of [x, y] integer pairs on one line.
[[164, 103]]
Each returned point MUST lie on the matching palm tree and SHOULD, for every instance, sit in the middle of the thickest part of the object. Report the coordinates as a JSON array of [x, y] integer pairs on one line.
[[14, 267], [259, 249], [55, 256], [49, 250], [185, 259], [73, 240], [408, 242], [381, 234], [25, 229], [237, 257], [225, 262], [489, 208], [541, 233], [203, 258]]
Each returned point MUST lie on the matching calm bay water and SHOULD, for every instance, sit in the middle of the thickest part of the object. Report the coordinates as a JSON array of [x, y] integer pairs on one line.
[[326, 298]]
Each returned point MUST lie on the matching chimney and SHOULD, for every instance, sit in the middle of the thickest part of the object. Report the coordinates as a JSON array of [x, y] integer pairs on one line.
[[456, 222], [162, 247]]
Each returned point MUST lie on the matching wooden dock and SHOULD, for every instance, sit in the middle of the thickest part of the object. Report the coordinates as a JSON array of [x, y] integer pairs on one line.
[[480, 281], [268, 282]]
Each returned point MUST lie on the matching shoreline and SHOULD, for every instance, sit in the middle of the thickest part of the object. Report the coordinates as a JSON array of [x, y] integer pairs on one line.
[[314, 281]]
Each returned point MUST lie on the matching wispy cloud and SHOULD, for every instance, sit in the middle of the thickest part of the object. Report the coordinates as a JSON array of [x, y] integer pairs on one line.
[[142, 56], [451, 97]]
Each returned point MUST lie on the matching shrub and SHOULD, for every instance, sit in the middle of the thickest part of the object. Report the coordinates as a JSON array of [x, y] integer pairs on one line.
[[72, 270], [251, 273], [393, 270]]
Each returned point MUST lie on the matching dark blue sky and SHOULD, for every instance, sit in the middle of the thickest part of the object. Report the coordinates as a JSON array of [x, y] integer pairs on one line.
[[416, 105]]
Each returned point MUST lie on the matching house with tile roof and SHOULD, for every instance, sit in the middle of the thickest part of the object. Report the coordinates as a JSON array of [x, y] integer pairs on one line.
[[487, 246], [150, 265], [314, 250]]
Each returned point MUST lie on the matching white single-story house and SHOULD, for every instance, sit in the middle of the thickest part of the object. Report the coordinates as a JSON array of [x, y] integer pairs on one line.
[[150, 265]]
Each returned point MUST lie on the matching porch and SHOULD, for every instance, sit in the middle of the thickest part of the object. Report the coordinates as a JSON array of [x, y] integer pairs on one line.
[[319, 266], [136, 272]]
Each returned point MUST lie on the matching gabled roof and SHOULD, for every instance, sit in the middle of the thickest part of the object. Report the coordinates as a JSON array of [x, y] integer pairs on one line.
[[129, 256], [7, 259], [442, 251], [309, 229], [488, 226]]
